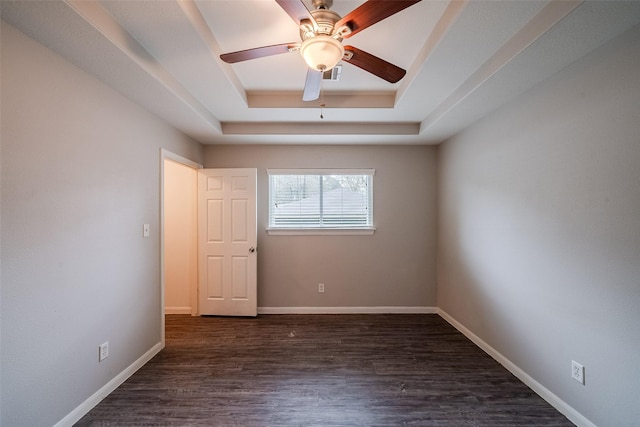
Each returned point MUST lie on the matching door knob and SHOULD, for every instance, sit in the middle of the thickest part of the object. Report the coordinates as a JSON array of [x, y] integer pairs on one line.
[[252, 249]]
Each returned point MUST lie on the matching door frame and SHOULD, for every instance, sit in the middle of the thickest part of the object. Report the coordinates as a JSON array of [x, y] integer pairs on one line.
[[167, 155]]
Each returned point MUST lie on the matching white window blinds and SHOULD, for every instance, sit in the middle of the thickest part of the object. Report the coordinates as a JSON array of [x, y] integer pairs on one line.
[[324, 198]]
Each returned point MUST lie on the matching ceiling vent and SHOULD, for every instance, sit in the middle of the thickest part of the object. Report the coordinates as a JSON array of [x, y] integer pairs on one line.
[[333, 74]]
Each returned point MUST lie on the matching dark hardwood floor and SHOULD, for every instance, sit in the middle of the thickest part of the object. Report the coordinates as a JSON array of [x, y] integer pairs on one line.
[[321, 370]]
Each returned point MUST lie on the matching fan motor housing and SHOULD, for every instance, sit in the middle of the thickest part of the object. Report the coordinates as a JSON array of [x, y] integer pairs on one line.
[[324, 17]]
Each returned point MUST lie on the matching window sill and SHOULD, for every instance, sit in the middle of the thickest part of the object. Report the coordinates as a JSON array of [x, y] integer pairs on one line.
[[321, 231]]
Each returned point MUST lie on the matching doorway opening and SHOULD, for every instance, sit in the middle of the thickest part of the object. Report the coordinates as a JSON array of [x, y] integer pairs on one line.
[[178, 241]]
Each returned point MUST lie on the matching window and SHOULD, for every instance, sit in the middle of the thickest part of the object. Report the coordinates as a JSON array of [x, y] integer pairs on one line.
[[327, 200]]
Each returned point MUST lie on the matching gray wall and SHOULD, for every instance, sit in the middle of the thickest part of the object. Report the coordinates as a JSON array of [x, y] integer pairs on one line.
[[80, 174], [539, 232], [394, 267]]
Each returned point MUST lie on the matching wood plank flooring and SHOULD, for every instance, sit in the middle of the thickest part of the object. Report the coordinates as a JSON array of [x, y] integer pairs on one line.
[[321, 370]]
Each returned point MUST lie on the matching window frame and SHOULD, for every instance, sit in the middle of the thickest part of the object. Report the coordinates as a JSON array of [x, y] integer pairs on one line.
[[320, 230]]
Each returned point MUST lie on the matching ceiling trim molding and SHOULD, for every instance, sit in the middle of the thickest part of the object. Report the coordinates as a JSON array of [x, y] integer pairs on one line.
[[321, 128], [335, 100], [547, 18], [100, 19], [445, 22], [199, 24]]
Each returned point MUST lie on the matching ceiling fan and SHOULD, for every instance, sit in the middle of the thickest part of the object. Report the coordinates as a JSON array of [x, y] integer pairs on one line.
[[322, 31]]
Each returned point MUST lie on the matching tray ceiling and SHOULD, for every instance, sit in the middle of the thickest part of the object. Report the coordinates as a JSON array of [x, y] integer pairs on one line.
[[463, 59]]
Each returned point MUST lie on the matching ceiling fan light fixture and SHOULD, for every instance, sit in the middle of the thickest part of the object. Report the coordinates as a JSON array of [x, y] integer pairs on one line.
[[322, 52]]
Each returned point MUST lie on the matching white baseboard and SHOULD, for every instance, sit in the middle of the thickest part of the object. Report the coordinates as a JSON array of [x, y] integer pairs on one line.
[[564, 408], [84, 408], [177, 310], [347, 310]]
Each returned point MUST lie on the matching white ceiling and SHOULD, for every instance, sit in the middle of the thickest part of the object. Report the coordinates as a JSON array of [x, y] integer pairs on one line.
[[463, 60]]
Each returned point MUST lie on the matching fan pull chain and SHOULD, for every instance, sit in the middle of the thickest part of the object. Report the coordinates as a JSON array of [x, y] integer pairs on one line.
[[322, 104]]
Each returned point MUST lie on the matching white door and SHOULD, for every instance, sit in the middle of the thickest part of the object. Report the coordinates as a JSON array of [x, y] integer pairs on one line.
[[227, 238]]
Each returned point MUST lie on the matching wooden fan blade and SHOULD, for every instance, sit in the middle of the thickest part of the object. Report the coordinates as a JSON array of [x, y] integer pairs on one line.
[[296, 10], [371, 12], [312, 85], [257, 52], [376, 66]]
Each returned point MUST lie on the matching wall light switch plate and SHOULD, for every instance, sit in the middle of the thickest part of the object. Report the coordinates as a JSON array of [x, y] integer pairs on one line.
[[145, 230]]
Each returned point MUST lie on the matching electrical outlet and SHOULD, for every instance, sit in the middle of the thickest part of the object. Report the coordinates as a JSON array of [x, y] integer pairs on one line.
[[577, 372], [321, 288], [103, 351]]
